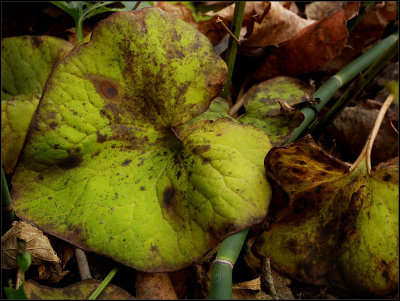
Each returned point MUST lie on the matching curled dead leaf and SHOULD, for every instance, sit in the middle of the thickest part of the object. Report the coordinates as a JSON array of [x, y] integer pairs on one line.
[[278, 25], [310, 48], [37, 244]]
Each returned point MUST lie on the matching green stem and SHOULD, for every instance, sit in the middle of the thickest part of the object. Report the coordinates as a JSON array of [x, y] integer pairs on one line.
[[104, 283], [353, 91], [232, 44], [221, 277], [79, 30], [326, 91], [6, 202]]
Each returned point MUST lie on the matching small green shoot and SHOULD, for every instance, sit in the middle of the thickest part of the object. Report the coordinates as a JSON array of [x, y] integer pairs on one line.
[[82, 10]]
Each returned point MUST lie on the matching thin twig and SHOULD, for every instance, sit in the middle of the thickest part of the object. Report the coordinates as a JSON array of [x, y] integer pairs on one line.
[[219, 20], [366, 152], [136, 5], [239, 100], [393, 127], [267, 282], [83, 265]]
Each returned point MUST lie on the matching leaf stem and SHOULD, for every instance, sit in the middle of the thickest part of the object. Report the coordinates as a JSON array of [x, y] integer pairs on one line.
[[104, 283], [366, 151], [328, 89], [232, 45], [221, 277]]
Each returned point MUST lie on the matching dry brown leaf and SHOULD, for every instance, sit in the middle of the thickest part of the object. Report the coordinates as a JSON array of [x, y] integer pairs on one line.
[[254, 12], [352, 128], [277, 26], [310, 48], [320, 9], [77, 291], [151, 286], [368, 31], [290, 5], [178, 280], [37, 244], [178, 10], [51, 272]]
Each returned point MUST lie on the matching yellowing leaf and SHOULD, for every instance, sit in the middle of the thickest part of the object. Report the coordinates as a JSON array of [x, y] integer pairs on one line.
[[26, 63], [16, 116], [340, 227], [105, 168]]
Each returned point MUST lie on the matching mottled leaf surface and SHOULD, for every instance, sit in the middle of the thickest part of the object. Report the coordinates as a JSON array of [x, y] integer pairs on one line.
[[340, 227], [16, 116], [102, 167], [264, 111], [77, 291], [26, 63], [218, 108]]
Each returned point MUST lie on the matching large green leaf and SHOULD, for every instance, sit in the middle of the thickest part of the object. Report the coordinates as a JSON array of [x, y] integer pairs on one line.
[[26, 63], [103, 167], [340, 227]]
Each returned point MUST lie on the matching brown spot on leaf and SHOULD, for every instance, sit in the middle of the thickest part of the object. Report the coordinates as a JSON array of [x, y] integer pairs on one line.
[[126, 162], [71, 162], [168, 196], [101, 138], [53, 125], [387, 177]]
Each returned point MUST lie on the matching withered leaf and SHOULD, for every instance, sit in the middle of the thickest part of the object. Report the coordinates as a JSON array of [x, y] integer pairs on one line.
[[310, 48], [340, 227], [80, 290], [37, 244], [150, 286]]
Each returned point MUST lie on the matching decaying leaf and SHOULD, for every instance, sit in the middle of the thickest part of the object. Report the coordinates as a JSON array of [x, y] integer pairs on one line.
[[340, 227], [263, 109], [249, 290], [154, 286], [277, 26], [352, 126], [178, 10], [104, 168], [37, 244], [26, 63], [317, 10], [310, 48], [16, 116], [77, 291]]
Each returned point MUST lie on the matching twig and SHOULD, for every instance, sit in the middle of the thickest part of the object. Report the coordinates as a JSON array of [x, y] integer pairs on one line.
[[83, 265], [267, 282], [136, 5], [366, 152], [239, 100], [219, 20]]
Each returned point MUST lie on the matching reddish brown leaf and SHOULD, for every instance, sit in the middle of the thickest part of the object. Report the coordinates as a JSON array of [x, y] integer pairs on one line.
[[311, 48], [151, 286]]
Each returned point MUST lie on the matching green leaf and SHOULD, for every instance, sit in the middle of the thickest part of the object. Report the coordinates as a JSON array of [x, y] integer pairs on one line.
[[264, 111], [26, 63], [218, 108], [15, 294], [77, 291], [340, 227], [16, 116], [103, 167]]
